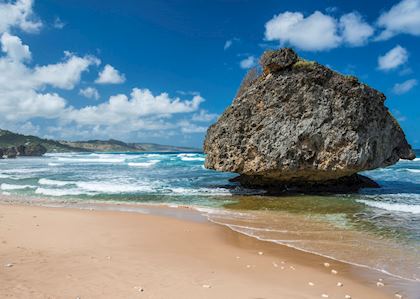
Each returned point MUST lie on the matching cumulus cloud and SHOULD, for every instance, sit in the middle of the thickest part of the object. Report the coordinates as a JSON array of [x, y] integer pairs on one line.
[[141, 103], [204, 116], [318, 31], [403, 17], [315, 32], [404, 87], [14, 48], [188, 127], [18, 14], [354, 30], [31, 91], [393, 58], [22, 88], [65, 74], [110, 75], [90, 93], [248, 62]]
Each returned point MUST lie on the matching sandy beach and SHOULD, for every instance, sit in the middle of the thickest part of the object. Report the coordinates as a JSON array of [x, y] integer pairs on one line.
[[73, 253]]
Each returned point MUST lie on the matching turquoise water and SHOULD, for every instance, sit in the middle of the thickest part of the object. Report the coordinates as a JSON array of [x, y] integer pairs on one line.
[[378, 228]]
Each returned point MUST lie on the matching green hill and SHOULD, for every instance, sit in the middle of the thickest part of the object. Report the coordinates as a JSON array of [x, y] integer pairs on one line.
[[10, 139]]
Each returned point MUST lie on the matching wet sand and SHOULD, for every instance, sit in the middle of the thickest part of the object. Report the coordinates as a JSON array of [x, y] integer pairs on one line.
[[74, 253]]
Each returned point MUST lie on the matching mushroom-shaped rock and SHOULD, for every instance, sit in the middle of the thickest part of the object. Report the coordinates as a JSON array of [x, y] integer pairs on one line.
[[302, 124]]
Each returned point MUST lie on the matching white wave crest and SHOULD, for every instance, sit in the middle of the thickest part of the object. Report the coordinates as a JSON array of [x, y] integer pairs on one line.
[[143, 164], [113, 187], [59, 192], [200, 191], [54, 164], [92, 160], [413, 170], [54, 182], [192, 159], [15, 187], [397, 207], [186, 155]]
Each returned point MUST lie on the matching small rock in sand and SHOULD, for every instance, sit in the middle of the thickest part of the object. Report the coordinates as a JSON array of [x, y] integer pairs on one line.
[[399, 296], [260, 252], [275, 264], [282, 268], [347, 296], [293, 268], [324, 296], [140, 289], [238, 257], [311, 283], [380, 279], [326, 265], [248, 266], [334, 271], [339, 284], [206, 286], [379, 284], [8, 265]]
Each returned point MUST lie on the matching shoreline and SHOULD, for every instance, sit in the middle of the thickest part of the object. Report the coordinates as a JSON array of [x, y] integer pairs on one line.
[[259, 262]]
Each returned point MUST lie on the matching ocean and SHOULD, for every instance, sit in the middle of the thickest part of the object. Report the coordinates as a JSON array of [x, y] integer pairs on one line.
[[376, 228]]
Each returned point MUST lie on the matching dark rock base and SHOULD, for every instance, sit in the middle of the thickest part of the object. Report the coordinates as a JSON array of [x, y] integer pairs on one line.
[[349, 184]]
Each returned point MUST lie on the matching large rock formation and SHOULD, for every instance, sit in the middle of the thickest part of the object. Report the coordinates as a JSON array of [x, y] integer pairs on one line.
[[300, 124]]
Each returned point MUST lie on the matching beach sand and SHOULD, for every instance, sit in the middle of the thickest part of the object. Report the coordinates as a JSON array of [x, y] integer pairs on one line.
[[74, 253]]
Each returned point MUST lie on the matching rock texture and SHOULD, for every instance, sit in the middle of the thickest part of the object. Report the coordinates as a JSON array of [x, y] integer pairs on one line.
[[301, 124], [23, 150]]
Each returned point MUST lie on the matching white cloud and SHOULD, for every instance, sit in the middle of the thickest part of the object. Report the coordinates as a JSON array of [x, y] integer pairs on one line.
[[403, 17], [354, 30], [58, 23], [18, 14], [230, 42], [313, 33], [90, 93], [31, 91], [318, 31], [204, 116], [188, 127], [393, 59], [110, 75], [121, 109], [22, 88], [65, 74], [248, 62], [13, 47], [404, 87]]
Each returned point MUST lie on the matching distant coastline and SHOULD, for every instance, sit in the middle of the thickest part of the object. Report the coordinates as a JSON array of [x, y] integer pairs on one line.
[[10, 139]]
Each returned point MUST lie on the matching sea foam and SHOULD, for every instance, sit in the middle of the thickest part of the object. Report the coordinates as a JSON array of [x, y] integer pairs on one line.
[[54, 182], [143, 164], [397, 207], [15, 187]]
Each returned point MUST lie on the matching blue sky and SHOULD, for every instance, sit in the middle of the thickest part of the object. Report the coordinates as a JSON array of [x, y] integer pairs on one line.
[[161, 71]]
